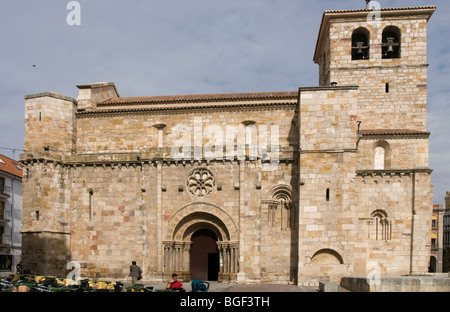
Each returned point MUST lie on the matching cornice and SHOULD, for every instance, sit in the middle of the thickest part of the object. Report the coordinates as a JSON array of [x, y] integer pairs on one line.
[[175, 109], [153, 156], [52, 94], [393, 133], [154, 162], [385, 172]]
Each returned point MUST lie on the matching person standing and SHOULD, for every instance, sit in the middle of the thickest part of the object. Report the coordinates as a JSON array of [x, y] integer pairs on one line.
[[19, 267], [135, 272]]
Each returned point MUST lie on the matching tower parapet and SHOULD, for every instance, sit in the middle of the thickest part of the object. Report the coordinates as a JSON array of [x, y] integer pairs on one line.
[[92, 94], [50, 124]]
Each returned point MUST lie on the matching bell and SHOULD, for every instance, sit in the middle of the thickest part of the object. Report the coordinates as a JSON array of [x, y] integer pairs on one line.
[[390, 49], [390, 44], [360, 46]]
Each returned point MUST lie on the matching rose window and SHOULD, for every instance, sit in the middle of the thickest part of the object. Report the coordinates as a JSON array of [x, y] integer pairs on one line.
[[201, 182]]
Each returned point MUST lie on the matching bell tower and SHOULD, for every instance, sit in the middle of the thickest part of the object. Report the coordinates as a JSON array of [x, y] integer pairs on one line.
[[384, 53]]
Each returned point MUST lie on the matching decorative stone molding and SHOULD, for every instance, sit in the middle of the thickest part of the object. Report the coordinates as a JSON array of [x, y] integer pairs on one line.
[[200, 182], [226, 225]]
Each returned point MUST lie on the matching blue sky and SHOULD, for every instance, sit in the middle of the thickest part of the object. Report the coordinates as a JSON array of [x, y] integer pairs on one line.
[[150, 47]]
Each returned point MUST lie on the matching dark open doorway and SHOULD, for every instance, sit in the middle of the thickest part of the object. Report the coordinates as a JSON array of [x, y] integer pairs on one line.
[[213, 266], [432, 267], [204, 256]]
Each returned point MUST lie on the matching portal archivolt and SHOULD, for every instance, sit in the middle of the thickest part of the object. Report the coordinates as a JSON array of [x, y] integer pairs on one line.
[[187, 221]]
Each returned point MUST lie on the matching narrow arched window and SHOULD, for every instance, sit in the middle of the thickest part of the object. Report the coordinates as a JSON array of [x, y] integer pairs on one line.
[[381, 226], [281, 209], [360, 44], [380, 156], [391, 47], [91, 205]]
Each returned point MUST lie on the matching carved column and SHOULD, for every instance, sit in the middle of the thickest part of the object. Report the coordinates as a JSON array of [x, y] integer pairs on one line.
[[233, 259], [175, 257], [179, 247], [170, 266], [220, 248], [186, 248], [226, 259], [168, 257], [242, 215]]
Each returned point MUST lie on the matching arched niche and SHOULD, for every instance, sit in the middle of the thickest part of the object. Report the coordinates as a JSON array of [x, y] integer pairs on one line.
[[391, 42], [326, 256], [360, 44]]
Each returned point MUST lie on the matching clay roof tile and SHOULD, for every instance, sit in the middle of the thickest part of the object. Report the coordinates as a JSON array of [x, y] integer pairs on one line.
[[10, 166], [220, 97]]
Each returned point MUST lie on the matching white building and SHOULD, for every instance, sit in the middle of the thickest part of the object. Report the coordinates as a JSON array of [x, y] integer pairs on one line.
[[10, 215]]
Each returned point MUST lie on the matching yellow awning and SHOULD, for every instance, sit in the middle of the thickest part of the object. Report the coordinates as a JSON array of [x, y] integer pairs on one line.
[[433, 235]]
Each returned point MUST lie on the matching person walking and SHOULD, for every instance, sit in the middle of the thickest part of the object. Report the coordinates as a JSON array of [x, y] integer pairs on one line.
[[135, 272]]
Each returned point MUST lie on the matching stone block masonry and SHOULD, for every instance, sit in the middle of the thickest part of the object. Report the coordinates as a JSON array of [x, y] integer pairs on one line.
[[312, 185]]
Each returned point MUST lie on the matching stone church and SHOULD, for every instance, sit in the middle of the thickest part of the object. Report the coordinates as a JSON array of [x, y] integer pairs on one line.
[[291, 187]]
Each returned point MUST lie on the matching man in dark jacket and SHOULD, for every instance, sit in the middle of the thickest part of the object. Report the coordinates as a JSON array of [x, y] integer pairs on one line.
[[135, 272]]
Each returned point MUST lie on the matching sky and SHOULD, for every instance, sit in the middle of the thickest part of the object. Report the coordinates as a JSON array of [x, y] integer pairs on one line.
[[170, 47]]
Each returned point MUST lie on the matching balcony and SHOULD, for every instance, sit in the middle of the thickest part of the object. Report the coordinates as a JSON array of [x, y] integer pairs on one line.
[[4, 191], [2, 245], [5, 248], [3, 220]]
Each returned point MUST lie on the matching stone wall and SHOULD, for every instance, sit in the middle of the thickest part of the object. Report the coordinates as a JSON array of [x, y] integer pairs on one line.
[[328, 134], [429, 283], [136, 132], [404, 106], [401, 151], [118, 203], [111, 212], [46, 253], [50, 123], [299, 200]]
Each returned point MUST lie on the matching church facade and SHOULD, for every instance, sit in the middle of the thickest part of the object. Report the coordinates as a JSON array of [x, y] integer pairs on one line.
[[271, 187]]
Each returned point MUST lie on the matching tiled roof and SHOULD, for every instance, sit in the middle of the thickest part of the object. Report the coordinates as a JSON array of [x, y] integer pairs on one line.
[[426, 7], [8, 165], [198, 98], [393, 132]]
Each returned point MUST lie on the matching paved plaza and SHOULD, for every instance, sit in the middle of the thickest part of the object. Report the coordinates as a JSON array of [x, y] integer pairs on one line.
[[221, 287]]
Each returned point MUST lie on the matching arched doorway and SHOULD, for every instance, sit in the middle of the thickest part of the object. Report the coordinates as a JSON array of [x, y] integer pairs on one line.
[[204, 257], [201, 229]]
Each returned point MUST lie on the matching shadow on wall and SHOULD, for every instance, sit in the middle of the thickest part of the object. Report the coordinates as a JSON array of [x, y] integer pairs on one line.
[[46, 253], [295, 183]]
